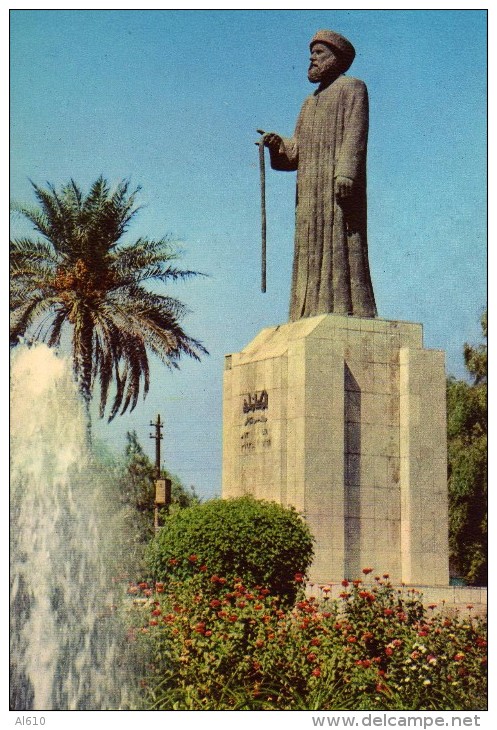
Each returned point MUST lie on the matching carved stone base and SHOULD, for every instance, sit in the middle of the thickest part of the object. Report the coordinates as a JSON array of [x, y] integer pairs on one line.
[[344, 418]]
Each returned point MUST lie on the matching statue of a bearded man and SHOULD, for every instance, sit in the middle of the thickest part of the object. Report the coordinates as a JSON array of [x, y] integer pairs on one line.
[[328, 149]]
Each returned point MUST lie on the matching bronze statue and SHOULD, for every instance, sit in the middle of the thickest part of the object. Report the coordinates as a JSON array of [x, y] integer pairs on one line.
[[328, 149]]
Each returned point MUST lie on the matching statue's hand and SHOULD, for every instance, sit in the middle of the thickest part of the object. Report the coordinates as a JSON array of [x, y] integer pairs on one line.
[[271, 140], [343, 187]]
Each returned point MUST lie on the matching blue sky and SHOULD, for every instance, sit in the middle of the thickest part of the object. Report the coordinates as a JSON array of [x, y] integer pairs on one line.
[[172, 99]]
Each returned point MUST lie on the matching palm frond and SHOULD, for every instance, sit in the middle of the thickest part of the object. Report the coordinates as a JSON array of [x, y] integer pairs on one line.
[[25, 249], [26, 314], [59, 319]]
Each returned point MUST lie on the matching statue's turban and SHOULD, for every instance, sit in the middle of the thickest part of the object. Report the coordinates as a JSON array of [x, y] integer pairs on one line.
[[340, 45]]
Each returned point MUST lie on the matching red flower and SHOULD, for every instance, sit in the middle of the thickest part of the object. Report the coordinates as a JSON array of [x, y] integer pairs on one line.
[[258, 607], [259, 643], [315, 642], [366, 571], [153, 623], [386, 576], [363, 594], [299, 578], [142, 586], [173, 561], [311, 657], [344, 595], [193, 558], [356, 583], [159, 587], [351, 639], [233, 618], [214, 579], [345, 583], [469, 606], [316, 672], [389, 651], [431, 606], [326, 589], [326, 614], [215, 603], [241, 604], [458, 657], [387, 611], [365, 663], [208, 633], [203, 568], [199, 628], [156, 612]]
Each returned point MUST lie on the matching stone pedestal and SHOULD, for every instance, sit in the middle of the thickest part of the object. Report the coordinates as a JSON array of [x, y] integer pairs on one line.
[[344, 418]]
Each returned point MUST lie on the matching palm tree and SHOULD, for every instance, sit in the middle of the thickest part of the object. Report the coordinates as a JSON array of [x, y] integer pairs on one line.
[[79, 274]]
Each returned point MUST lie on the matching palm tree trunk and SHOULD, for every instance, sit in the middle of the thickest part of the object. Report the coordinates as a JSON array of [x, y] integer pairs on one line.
[[83, 359]]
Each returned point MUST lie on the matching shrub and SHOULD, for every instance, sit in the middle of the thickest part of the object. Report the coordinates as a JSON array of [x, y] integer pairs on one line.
[[261, 543], [375, 648]]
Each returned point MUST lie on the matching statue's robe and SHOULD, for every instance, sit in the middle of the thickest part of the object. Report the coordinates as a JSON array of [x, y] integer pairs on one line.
[[330, 268]]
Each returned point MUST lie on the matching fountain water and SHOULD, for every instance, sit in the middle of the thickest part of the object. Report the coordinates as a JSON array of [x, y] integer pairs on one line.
[[65, 650]]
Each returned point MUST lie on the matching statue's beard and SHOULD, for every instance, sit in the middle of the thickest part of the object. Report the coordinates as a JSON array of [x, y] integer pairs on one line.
[[324, 72], [314, 74]]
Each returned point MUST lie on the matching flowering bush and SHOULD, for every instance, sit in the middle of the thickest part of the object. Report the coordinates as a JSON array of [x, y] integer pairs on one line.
[[235, 647], [261, 541]]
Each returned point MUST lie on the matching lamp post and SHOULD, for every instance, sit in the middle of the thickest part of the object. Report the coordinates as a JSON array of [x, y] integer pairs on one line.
[[162, 486]]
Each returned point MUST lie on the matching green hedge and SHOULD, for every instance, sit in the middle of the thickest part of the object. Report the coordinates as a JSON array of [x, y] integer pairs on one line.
[[262, 543]]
